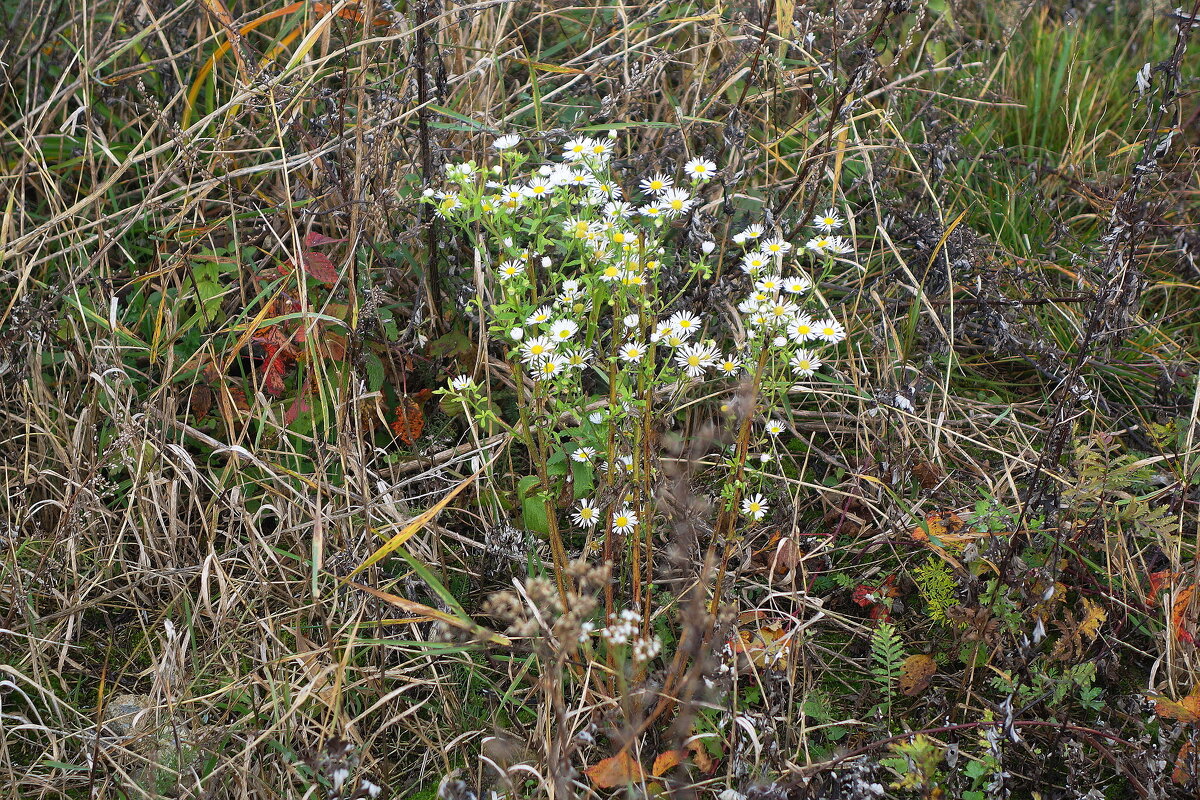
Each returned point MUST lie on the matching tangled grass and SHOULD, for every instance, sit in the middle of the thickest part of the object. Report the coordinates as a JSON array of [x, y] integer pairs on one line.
[[249, 549]]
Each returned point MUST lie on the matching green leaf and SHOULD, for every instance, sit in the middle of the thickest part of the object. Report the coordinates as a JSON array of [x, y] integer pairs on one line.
[[583, 476], [533, 506], [374, 367]]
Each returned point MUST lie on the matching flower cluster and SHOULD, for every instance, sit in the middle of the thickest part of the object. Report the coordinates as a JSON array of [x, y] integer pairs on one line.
[[574, 255], [623, 629]]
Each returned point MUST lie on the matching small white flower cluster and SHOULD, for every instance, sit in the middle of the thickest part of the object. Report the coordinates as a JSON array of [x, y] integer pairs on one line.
[[574, 290], [623, 627], [646, 649]]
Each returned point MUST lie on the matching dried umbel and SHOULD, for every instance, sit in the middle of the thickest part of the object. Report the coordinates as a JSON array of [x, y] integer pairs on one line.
[[537, 608]]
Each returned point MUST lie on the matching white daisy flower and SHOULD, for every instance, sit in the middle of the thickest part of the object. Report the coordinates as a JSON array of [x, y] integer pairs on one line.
[[583, 454], [577, 359], [539, 188], [656, 184], [610, 273], [580, 177], [675, 202], [769, 284], [651, 211], [774, 427], [563, 330], [782, 312], [512, 196], [604, 191], [695, 358], [586, 514], [540, 316], [551, 366], [461, 383], [828, 221], [685, 323], [661, 330], [756, 261], [617, 210], [506, 142], [700, 169], [752, 231], [755, 507], [632, 352], [575, 149], [818, 244], [576, 228], [569, 291], [729, 366], [801, 329], [776, 246], [536, 349], [599, 149], [838, 246], [830, 330], [511, 269], [797, 285], [447, 204], [624, 520], [805, 363]]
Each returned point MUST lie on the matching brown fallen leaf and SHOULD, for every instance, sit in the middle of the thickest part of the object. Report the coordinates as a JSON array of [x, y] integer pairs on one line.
[[916, 673], [615, 771], [700, 756], [1185, 764]]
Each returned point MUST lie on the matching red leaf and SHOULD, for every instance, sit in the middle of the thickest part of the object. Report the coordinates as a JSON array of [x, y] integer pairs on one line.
[[299, 405], [1158, 581], [315, 239], [276, 355], [319, 266]]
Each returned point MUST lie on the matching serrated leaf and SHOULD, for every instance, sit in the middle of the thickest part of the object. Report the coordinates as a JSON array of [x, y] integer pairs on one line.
[[375, 372], [1094, 616]]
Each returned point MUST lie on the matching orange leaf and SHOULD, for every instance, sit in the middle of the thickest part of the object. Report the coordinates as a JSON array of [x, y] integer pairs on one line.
[[915, 674], [615, 771], [1185, 710], [410, 420], [1179, 615], [1159, 581], [700, 756], [942, 529], [666, 761]]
